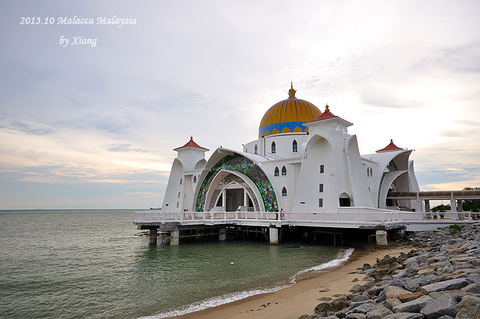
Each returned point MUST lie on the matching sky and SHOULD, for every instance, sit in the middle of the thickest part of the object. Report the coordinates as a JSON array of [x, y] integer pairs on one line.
[[92, 122]]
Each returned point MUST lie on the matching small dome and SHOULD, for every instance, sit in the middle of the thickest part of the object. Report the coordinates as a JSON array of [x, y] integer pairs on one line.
[[287, 116]]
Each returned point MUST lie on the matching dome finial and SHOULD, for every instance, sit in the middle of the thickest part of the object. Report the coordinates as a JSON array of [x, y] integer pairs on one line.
[[327, 108], [291, 92]]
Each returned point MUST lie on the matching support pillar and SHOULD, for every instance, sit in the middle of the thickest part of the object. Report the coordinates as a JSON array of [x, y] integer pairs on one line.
[[273, 234], [427, 206], [152, 236], [222, 234], [175, 237], [382, 237]]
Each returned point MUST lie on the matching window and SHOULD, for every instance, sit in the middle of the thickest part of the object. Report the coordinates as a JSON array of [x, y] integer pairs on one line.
[[371, 171], [294, 146], [368, 171], [322, 169], [320, 202], [320, 188], [344, 202], [178, 194], [284, 191], [177, 204], [284, 171], [194, 179], [274, 147], [256, 149], [181, 181], [277, 172]]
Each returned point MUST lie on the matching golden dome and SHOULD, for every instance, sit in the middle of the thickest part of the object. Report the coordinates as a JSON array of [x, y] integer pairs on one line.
[[287, 116]]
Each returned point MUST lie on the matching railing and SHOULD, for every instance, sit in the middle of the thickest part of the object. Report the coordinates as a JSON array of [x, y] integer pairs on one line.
[[364, 215]]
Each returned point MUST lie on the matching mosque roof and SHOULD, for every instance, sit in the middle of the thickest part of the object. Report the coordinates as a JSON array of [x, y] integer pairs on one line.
[[390, 147], [191, 143], [287, 116], [327, 114]]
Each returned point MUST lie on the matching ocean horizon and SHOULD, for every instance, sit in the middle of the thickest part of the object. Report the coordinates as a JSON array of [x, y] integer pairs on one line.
[[80, 263]]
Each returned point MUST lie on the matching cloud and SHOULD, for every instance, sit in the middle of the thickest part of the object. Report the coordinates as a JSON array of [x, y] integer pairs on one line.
[[110, 116]]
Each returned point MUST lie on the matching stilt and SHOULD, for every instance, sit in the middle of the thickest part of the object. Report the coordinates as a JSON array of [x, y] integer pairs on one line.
[[382, 237], [273, 234], [152, 236], [175, 237], [222, 234]]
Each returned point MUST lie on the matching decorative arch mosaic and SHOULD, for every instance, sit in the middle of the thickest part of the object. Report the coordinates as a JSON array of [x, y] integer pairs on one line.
[[245, 166]]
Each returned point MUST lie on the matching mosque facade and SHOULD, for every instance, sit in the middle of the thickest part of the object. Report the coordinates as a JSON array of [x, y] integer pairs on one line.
[[304, 160]]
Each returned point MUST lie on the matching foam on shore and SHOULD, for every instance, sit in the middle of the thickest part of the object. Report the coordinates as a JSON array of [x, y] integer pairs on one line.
[[232, 297]]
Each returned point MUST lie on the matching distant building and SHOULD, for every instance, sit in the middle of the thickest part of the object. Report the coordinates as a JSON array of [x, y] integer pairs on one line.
[[303, 161]]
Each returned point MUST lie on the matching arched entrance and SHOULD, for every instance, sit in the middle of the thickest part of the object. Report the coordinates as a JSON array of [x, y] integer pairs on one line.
[[232, 191]]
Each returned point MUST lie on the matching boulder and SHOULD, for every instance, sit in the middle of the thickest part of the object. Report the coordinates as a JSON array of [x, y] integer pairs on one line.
[[472, 288], [410, 296], [468, 308], [414, 305], [405, 315], [445, 285], [443, 305], [364, 308], [390, 303], [322, 308], [394, 292], [378, 312]]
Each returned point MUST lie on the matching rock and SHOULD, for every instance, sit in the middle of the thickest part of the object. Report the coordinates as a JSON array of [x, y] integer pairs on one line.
[[394, 292], [443, 305], [356, 316], [357, 289], [366, 267], [364, 308], [390, 303], [325, 299], [410, 296], [405, 315], [322, 308], [472, 288], [445, 285], [378, 312], [404, 273], [362, 297], [339, 304], [414, 305], [468, 308]]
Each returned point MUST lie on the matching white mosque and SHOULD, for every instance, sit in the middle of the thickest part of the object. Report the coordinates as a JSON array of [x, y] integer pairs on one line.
[[304, 160]]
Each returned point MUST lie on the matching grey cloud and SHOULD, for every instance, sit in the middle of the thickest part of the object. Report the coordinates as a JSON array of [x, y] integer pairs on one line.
[[123, 148]]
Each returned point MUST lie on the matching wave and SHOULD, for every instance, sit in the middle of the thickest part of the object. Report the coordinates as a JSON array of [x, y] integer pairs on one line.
[[231, 297]]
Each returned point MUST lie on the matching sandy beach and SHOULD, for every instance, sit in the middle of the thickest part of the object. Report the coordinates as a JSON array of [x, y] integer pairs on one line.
[[302, 297]]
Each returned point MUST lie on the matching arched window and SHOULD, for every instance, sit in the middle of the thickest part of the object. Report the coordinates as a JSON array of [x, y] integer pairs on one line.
[[368, 171], [195, 178], [294, 146], [274, 147], [256, 149], [277, 172], [371, 171], [284, 171], [284, 191]]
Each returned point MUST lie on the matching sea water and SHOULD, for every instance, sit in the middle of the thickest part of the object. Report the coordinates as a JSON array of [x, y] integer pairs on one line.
[[93, 264]]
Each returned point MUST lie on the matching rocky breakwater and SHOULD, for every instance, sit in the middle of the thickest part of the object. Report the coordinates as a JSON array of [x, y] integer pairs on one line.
[[439, 278]]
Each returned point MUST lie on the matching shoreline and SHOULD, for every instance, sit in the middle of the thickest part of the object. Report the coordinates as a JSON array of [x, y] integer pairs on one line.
[[301, 297]]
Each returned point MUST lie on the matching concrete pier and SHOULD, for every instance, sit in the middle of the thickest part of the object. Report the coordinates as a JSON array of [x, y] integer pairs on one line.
[[222, 234], [175, 237], [273, 235]]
